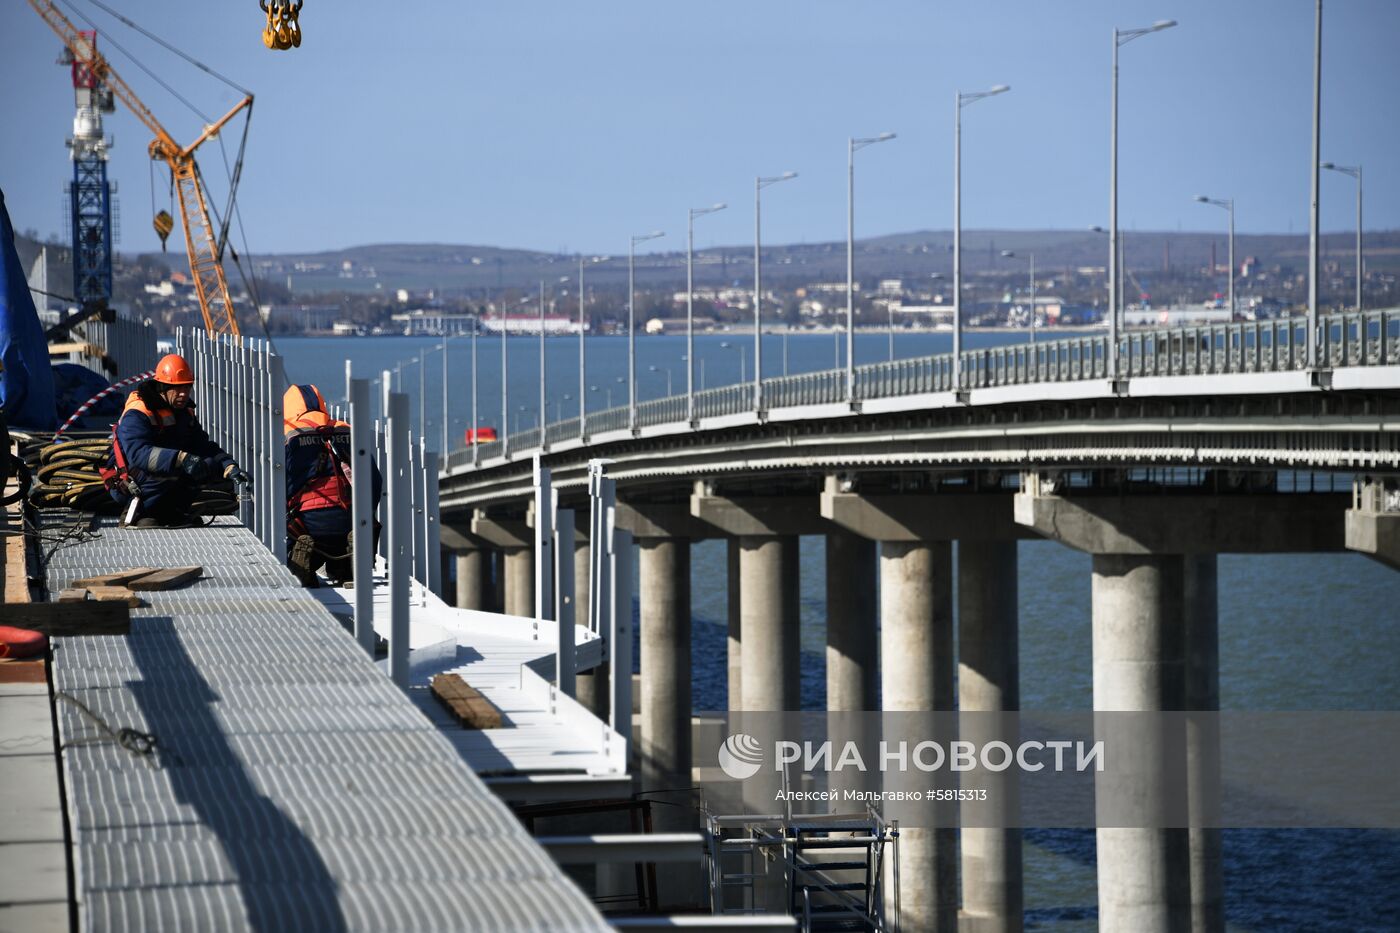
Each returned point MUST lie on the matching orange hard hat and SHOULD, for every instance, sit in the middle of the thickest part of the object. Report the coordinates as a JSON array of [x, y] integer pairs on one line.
[[172, 370]]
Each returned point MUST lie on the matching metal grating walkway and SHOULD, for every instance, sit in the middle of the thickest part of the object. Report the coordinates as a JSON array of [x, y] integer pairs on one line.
[[294, 788]]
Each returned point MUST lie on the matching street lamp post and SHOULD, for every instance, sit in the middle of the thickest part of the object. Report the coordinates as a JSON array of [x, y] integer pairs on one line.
[[582, 360], [1121, 37], [690, 304], [632, 324], [476, 441], [1355, 172], [960, 101], [662, 369], [505, 384], [1226, 204], [1313, 174], [1010, 253], [543, 419], [852, 146], [759, 183], [444, 397]]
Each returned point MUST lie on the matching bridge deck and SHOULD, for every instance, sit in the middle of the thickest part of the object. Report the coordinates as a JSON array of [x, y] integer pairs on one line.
[[293, 786], [510, 660]]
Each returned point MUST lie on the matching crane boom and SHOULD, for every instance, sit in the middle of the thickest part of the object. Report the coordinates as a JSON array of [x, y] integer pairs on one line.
[[210, 284]]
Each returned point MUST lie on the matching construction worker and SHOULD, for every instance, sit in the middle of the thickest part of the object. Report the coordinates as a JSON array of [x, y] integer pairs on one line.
[[160, 454], [319, 517]]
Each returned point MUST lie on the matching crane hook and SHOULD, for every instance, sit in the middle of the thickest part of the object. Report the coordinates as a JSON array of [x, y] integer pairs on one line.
[[164, 223]]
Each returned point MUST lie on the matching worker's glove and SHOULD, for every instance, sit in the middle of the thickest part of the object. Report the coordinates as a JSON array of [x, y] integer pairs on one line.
[[195, 468], [236, 475]]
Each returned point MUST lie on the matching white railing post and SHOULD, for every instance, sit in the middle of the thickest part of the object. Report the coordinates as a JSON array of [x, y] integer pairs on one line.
[[544, 545], [620, 558], [362, 512], [399, 508], [432, 526], [566, 663], [276, 494], [419, 533]]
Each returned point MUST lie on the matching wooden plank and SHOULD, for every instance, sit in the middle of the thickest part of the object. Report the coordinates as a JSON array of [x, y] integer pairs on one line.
[[166, 579], [89, 618], [120, 578], [466, 703], [115, 594], [22, 671], [74, 594]]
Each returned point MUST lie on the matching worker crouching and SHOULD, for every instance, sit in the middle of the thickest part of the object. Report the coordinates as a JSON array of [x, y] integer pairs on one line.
[[319, 508], [161, 457]]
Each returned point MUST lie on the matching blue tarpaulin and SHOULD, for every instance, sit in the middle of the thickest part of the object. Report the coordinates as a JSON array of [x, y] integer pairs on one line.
[[26, 384]]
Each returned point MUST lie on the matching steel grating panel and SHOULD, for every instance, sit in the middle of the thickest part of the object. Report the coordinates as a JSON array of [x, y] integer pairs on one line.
[[293, 787]]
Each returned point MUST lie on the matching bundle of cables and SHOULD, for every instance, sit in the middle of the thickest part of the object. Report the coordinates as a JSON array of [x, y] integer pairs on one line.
[[67, 472]]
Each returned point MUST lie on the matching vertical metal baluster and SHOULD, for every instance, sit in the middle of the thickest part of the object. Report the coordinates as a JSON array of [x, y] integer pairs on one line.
[[400, 532], [362, 511]]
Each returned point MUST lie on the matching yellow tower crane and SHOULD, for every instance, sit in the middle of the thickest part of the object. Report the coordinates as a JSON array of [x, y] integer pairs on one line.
[[205, 265]]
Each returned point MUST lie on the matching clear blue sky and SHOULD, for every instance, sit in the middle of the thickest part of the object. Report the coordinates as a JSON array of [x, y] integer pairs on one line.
[[570, 126]]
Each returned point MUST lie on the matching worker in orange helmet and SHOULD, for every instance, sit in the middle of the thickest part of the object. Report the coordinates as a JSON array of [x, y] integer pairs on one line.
[[161, 455], [319, 504]]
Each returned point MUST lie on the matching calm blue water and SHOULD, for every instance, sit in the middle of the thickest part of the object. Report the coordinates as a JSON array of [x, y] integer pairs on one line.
[[1297, 632]]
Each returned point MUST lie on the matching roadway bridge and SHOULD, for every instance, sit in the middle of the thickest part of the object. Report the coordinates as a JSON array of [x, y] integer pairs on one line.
[[1182, 445]]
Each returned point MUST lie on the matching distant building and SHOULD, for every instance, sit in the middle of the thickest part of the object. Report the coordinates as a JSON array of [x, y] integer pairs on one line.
[[303, 317], [423, 322], [677, 325], [890, 288], [517, 324]]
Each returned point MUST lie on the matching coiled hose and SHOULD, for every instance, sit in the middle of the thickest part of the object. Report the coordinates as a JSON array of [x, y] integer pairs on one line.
[[68, 477]]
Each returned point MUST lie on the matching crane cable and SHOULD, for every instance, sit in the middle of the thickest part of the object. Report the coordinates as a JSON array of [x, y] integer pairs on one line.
[[159, 41], [234, 174]]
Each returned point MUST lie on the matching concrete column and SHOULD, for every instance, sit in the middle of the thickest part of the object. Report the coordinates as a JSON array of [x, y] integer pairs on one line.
[[1144, 874], [665, 662], [1203, 742], [520, 582], [916, 655], [768, 622], [735, 641], [471, 579], [592, 686], [989, 683], [852, 637]]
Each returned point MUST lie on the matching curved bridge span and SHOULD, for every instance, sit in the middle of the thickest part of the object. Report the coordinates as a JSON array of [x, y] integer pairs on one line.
[[1182, 445], [1237, 397]]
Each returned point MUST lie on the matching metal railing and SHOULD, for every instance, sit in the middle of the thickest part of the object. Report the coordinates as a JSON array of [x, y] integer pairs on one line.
[[129, 343], [1371, 338], [239, 384]]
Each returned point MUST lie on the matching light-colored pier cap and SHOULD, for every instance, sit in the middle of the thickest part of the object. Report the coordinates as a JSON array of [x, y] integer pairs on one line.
[[750, 516], [1182, 523], [1373, 521], [941, 516]]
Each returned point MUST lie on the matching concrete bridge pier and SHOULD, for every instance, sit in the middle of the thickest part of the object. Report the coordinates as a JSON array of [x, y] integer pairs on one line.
[[515, 577], [472, 564], [471, 579], [1155, 648], [734, 641], [520, 582], [767, 531], [917, 659], [1202, 650], [989, 692], [852, 648]]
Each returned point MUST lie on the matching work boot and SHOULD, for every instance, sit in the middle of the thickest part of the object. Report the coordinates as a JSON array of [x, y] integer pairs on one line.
[[299, 557]]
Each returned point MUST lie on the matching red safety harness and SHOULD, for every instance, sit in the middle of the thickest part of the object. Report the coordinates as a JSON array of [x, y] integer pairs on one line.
[[119, 477], [326, 491]]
